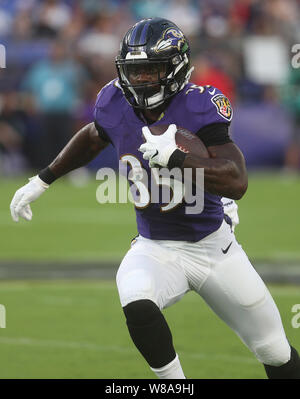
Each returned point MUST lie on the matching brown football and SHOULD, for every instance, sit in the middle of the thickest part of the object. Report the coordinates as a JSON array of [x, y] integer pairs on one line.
[[185, 140]]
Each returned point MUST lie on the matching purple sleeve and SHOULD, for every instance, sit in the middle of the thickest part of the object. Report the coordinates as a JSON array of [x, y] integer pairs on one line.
[[107, 109], [209, 106]]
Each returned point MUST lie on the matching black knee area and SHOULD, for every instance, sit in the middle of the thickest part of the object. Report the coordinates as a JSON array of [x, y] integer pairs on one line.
[[142, 312], [289, 370], [150, 332]]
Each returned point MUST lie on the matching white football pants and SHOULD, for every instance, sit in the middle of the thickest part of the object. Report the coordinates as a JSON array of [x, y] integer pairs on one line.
[[216, 268]]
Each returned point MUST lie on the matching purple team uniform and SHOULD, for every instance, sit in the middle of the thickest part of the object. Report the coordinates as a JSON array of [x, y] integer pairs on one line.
[[190, 109]]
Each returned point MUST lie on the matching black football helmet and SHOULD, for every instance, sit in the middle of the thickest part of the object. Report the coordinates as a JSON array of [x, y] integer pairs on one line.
[[159, 47]]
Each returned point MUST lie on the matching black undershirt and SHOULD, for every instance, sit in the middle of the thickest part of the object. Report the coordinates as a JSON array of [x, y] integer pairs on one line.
[[102, 133], [214, 134]]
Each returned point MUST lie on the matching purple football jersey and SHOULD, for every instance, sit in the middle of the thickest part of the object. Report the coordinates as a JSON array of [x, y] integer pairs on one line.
[[192, 108]]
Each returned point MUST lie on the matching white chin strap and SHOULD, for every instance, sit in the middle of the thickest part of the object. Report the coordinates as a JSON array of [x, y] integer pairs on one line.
[[156, 99], [153, 101]]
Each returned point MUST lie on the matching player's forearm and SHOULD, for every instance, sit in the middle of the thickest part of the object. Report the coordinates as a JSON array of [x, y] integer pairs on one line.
[[84, 146], [221, 176]]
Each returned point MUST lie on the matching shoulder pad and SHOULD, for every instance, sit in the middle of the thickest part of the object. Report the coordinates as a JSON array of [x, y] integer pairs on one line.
[[107, 111], [209, 102]]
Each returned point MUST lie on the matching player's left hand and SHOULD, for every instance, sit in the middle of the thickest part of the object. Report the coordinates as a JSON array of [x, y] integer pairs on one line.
[[158, 149], [19, 206]]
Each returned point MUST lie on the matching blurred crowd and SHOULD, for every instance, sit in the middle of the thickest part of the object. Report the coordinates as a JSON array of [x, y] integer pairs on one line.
[[60, 53]]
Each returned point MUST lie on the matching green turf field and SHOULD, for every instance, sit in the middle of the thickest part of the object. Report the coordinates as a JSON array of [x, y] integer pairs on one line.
[[76, 330], [69, 224]]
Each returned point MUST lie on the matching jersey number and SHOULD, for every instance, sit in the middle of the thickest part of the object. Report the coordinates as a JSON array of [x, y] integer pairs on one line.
[[143, 195]]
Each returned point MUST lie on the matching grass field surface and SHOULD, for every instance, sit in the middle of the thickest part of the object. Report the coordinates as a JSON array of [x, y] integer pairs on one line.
[[76, 329], [69, 224]]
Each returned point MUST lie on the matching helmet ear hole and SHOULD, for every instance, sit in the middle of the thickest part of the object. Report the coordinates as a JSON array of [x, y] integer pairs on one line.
[[174, 86], [176, 60]]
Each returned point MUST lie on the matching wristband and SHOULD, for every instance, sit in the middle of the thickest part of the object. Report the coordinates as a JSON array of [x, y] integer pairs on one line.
[[176, 159], [47, 175]]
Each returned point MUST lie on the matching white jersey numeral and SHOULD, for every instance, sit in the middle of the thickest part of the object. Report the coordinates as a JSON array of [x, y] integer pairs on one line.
[[143, 195], [138, 176]]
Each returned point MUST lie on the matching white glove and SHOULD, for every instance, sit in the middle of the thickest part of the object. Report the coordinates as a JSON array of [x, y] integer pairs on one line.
[[231, 209], [158, 149], [19, 205]]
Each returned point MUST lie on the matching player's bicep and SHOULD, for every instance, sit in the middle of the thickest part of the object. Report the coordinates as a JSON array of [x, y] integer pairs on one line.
[[231, 152]]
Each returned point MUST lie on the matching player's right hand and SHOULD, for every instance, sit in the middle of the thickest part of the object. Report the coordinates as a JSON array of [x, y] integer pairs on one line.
[[19, 206], [158, 149]]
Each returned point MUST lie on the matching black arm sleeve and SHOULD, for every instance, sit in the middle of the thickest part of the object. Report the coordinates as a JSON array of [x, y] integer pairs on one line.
[[214, 134], [102, 133]]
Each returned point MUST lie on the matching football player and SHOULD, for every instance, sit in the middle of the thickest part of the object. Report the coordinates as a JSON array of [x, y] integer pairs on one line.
[[175, 252]]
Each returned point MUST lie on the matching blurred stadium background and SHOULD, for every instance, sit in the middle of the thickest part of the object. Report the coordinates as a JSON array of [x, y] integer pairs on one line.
[[57, 271]]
